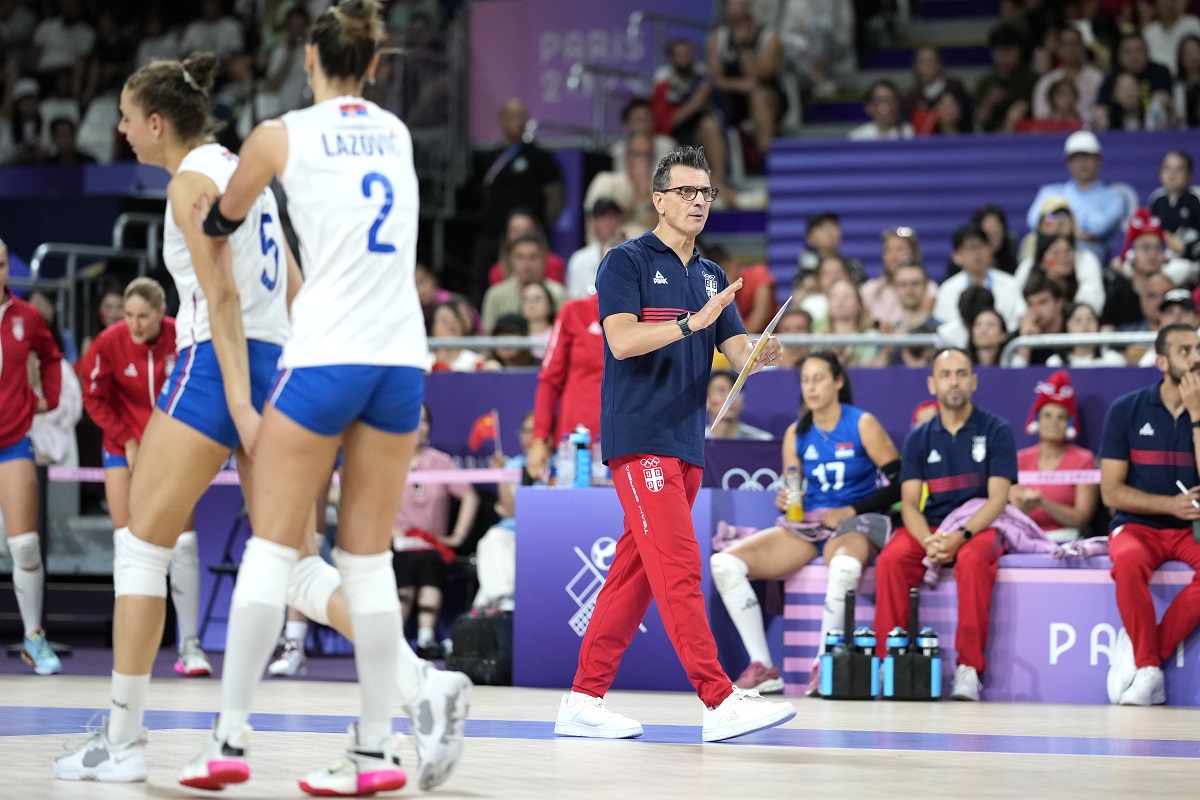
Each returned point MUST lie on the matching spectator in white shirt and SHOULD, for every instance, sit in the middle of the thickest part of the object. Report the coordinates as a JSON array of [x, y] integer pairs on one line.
[[882, 102], [214, 32], [605, 220], [972, 254], [60, 44], [1087, 79], [158, 41], [1168, 29]]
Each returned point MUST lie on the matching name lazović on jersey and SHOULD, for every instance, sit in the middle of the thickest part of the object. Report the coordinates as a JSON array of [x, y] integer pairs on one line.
[[360, 144]]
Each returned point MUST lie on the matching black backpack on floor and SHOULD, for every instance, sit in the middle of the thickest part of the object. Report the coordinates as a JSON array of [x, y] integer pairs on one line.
[[483, 647]]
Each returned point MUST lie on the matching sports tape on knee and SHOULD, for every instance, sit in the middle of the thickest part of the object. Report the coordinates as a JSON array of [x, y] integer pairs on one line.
[[139, 568], [26, 551], [186, 553], [368, 582], [728, 571], [312, 583], [844, 572]]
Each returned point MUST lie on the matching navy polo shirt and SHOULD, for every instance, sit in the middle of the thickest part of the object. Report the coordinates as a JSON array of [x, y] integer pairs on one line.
[[957, 467], [1139, 429], [655, 403]]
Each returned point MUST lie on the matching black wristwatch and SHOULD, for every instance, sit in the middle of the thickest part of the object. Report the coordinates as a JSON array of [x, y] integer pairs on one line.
[[967, 534], [1196, 424], [682, 322]]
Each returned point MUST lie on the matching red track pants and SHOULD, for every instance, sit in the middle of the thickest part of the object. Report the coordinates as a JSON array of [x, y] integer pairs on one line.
[[1136, 551], [657, 557], [899, 569]]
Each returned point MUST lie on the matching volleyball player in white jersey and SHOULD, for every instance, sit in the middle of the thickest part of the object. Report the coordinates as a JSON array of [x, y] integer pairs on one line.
[[352, 375], [230, 330]]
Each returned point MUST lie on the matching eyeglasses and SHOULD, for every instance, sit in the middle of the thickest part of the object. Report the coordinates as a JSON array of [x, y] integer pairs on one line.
[[689, 193], [1055, 216]]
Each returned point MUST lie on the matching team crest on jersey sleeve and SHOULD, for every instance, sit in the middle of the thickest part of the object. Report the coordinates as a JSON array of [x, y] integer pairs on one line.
[[652, 471], [979, 448], [18, 328]]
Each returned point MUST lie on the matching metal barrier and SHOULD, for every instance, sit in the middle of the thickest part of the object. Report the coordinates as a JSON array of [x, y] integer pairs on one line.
[[658, 31], [153, 224], [69, 285], [1064, 340], [786, 339], [602, 82]]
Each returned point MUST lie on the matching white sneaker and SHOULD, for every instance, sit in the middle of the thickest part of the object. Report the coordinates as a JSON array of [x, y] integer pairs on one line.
[[744, 711], [582, 715], [291, 662], [966, 684], [1146, 689], [220, 764], [1121, 667], [437, 725], [191, 661], [364, 769], [98, 759]]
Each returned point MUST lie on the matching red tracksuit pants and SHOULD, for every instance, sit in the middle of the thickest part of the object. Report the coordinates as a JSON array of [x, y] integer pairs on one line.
[[898, 569], [657, 557], [1136, 551]]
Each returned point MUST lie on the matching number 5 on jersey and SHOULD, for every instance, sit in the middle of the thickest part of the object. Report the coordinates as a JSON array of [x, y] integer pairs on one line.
[[271, 248]]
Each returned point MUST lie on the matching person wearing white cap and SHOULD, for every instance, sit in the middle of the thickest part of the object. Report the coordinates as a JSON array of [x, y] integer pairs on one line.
[[1098, 209]]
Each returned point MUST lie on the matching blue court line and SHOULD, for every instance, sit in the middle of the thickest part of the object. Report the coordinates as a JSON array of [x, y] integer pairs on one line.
[[33, 721]]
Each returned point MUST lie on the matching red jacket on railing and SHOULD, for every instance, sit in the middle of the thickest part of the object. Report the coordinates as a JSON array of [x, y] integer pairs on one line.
[[122, 380], [23, 331], [569, 382]]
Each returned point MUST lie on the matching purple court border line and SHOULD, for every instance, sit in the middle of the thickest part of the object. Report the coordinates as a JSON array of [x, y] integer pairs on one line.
[[41, 721]]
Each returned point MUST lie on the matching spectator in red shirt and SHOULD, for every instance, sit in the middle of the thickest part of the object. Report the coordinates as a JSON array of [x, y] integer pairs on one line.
[[520, 222], [568, 392], [125, 370], [755, 301], [1060, 510], [23, 333]]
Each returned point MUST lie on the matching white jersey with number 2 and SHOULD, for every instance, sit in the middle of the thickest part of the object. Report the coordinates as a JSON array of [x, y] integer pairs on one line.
[[259, 265], [353, 200]]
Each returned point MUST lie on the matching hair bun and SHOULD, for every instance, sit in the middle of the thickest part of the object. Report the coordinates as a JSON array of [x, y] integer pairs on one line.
[[360, 18], [202, 68]]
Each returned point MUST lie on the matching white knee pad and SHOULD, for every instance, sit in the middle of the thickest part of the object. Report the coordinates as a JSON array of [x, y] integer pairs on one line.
[[368, 581], [139, 568], [263, 577], [26, 551], [312, 583], [844, 572], [727, 571], [186, 553]]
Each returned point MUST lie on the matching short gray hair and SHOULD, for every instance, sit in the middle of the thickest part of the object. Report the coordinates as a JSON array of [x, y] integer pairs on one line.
[[691, 157]]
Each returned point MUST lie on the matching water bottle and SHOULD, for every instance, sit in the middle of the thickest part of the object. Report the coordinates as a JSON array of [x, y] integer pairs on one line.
[[581, 452], [566, 462], [599, 471], [897, 645], [864, 643], [927, 644], [1156, 117], [835, 643], [795, 495]]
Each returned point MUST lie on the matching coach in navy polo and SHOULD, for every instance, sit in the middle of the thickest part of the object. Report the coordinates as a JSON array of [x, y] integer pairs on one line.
[[962, 454], [1150, 447], [663, 309]]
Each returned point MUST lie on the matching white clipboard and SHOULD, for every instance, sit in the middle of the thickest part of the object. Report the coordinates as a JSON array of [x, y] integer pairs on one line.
[[754, 354]]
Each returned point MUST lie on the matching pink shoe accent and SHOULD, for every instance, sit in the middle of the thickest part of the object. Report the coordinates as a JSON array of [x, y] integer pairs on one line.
[[220, 774], [384, 780], [195, 673]]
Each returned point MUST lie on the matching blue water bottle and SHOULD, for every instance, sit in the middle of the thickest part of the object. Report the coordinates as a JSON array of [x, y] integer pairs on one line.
[[835, 643], [864, 643], [927, 645], [897, 645], [581, 439]]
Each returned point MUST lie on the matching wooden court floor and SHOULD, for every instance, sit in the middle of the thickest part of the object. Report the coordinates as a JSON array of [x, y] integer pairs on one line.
[[831, 749]]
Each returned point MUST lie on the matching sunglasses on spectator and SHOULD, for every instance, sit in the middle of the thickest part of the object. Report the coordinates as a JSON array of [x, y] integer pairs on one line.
[[1055, 216], [689, 193]]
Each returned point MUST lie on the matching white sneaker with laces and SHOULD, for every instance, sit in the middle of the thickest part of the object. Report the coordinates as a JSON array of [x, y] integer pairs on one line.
[[220, 764], [744, 711], [966, 684], [437, 725], [583, 715], [1146, 688], [1121, 667], [98, 759], [191, 661], [291, 662], [364, 769]]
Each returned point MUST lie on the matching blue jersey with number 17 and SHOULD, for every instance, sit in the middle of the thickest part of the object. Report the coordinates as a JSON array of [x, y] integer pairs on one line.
[[353, 199], [836, 465]]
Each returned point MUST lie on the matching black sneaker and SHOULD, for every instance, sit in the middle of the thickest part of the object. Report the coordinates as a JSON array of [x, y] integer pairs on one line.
[[431, 652]]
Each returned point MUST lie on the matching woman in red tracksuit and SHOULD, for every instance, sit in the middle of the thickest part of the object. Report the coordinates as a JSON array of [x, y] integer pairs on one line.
[[568, 392], [124, 371], [23, 333]]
